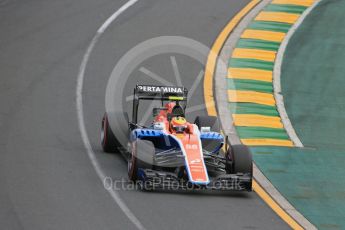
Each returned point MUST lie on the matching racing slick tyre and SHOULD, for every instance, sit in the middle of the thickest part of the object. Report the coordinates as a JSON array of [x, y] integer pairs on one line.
[[213, 123], [208, 121], [141, 157], [115, 141], [239, 160], [108, 139]]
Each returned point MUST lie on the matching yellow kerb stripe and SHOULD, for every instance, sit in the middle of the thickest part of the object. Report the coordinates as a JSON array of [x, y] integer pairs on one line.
[[277, 17], [251, 97], [208, 95], [267, 142], [264, 55], [251, 74], [294, 2], [264, 35], [255, 120], [212, 57]]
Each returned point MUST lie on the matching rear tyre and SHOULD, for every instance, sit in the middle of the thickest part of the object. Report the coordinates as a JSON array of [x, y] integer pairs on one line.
[[208, 121], [141, 157], [213, 123], [108, 139]]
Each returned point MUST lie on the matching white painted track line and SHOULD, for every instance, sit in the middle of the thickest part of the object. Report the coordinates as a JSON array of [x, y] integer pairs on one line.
[[79, 106]]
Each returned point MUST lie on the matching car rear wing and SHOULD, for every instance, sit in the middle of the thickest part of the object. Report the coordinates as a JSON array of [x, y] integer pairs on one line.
[[153, 92], [165, 93]]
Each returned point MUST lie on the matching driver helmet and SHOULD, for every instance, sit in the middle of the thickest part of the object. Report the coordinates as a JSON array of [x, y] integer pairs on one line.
[[178, 124]]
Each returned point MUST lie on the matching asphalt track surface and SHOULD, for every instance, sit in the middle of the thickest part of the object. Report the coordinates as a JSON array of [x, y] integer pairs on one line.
[[47, 180]]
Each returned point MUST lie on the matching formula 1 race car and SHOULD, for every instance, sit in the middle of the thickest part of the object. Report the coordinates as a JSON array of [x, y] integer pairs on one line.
[[173, 153]]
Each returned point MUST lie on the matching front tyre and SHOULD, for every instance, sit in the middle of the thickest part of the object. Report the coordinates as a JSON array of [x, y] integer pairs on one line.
[[239, 160], [141, 157]]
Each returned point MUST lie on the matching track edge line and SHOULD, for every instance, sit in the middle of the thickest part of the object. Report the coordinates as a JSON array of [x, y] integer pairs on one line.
[[80, 114]]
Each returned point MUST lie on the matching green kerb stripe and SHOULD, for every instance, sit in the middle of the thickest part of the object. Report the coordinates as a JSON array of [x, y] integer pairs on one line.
[[257, 44], [251, 85], [271, 26], [293, 9], [260, 132], [251, 63], [251, 108]]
